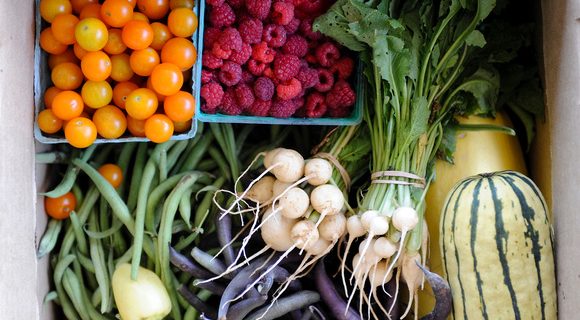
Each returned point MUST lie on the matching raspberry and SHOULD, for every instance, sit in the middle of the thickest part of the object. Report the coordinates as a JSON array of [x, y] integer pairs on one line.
[[282, 13], [259, 8], [343, 68], [229, 105], [282, 108], [311, 59], [212, 93], [236, 3], [247, 77], [299, 102], [206, 109], [210, 61], [286, 66], [207, 76], [230, 73], [327, 54], [308, 77], [259, 108], [289, 90], [263, 53], [306, 29], [270, 74], [241, 57], [293, 26], [340, 96], [215, 2], [315, 105], [222, 16], [244, 95], [325, 80], [296, 45], [314, 7], [210, 36], [230, 39], [251, 30], [339, 112], [274, 35], [256, 67], [264, 88]]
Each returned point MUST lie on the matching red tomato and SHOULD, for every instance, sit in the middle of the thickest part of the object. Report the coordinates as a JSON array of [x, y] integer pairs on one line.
[[60, 208]]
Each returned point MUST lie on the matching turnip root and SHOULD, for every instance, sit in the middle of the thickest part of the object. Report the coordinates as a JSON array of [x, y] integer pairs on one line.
[[413, 277], [332, 227], [287, 165], [262, 191], [384, 247], [303, 234], [318, 171], [327, 199], [294, 203], [279, 187]]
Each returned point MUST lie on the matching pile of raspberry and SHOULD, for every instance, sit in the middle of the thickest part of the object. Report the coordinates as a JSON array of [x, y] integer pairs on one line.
[[261, 58]]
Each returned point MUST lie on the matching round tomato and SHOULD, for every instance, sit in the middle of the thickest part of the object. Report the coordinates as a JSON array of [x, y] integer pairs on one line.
[[80, 132], [143, 61], [116, 12], [166, 79], [110, 121], [63, 27], [154, 9], [67, 76], [49, 9], [179, 51], [67, 105], [158, 128], [50, 44], [78, 51], [96, 66], [91, 34], [67, 56], [136, 127], [60, 208], [182, 22], [91, 10], [137, 34], [160, 97], [181, 4], [121, 67], [161, 34], [179, 107], [141, 103], [48, 122], [139, 16], [49, 95], [115, 43], [97, 94], [78, 5], [182, 126], [112, 173], [121, 91]]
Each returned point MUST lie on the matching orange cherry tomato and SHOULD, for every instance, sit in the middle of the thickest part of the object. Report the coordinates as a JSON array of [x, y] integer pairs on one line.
[[96, 66], [179, 107], [140, 16], [67, 76], [115, 43], [80, 132], [91, 34], [78, 51], [49, 95], [154, 9], [110, 121], [60, 208], [182, 126], [50, 44], [121, 91], [97, 94], [181, 4], [78, 5], [141, 103], [48, 122], [182, 22], [67, 105], [166, 79], [148, 85], [136, 127], [143, 61], [116, 12], [90, 10], [63, 28], [49, 9], [112, 173], [161, 34], [137, 34], [121, 68], [67, 56], [179, 51], [133, 3], [158, 128]]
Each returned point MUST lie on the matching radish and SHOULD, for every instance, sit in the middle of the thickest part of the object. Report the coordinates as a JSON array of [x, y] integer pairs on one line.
[[294, 203], [318, 171], [304, 233], [327, 199], [279, 187], [287, 165], [332, 227], [262, 191], [404, 219], [384, 247], [413, 276]]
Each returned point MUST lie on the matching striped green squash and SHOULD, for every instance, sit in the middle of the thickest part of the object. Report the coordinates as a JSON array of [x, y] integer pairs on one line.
[[497, 249]]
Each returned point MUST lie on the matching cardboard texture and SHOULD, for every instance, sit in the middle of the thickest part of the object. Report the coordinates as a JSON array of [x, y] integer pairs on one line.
[[561, 38], [24, 279]]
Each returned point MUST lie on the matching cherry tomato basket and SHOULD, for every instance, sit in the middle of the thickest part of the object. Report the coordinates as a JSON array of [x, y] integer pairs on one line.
[[354, 118], [42, 80]]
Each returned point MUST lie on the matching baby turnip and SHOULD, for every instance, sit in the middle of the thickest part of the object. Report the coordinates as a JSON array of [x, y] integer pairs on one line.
[[376, 225], [384, 247], [294, 203], [327, 199], [412, 276], [287, 165], [268, 156], [279, 187], [404, 219], [317, 171], [332, 227], [354, 230], [276, 230], [304, 233], [262, 191]]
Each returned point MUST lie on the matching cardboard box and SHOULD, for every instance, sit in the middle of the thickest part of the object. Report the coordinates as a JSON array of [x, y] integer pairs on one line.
[[24, 279]]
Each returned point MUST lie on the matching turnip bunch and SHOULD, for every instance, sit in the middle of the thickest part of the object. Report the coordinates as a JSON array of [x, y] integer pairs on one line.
[[418, 58]]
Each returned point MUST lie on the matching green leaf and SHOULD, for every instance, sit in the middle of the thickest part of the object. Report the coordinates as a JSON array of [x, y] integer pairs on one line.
[[419, 121], [448, 143], [528, 121], [476, 39], [483, 85], [335, 25]]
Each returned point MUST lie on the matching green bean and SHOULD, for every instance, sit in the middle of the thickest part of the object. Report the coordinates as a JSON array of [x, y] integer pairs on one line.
[[185, 207], [155, 197], [78, 232], [223, 166], [78, 193], [50, 157], [98, 257], [123, 163], [117, 204], [197, 152], [49, 238], [190, 314], [126, 257], [185, 242], [206, 165], [64, 301], [104, 216], [119, 243], [75, 282], [224, 135], [175, 153], [73, 290], [82, 212], [204, 206], [70, 175], [117, 224], [191, 144], [163, 165], [136, 175], [50, 296], [85, 261]]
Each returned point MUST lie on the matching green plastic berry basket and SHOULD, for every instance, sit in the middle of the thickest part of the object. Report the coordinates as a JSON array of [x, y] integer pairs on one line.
[[354, 118], [42, 82]]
